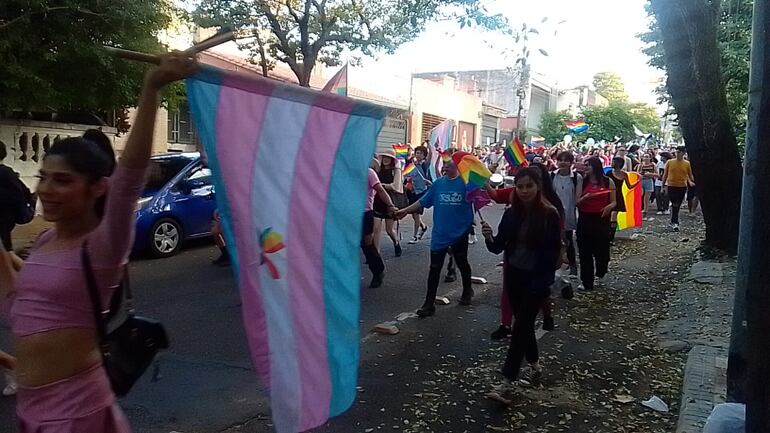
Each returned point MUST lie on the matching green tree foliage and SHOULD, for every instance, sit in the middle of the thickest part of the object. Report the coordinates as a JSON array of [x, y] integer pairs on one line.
[[305, 32], [51, 57], [605, 123], [610, 85], [552, 126], [734, 38]]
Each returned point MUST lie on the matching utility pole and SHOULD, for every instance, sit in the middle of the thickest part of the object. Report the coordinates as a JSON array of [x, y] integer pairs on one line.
[[749, 368]]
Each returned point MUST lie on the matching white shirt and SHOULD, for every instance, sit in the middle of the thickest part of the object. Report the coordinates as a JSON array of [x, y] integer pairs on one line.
[[660, 166]]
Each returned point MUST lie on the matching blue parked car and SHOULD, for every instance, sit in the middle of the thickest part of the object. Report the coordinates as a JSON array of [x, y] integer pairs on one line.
[[176, 205]]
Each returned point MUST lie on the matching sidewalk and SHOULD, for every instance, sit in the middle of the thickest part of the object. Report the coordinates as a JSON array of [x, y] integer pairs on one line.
[[701, 316], [603, 360]]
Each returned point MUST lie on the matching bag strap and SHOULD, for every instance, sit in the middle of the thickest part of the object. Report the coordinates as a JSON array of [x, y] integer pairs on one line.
[[93, 292]]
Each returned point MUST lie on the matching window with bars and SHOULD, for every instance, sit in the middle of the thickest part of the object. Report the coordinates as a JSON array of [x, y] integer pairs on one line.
[[180, 128], [430, 121]]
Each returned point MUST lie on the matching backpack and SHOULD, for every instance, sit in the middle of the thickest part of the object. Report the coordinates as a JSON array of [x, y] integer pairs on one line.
[[25, 210], [22, 201], [572, 176]]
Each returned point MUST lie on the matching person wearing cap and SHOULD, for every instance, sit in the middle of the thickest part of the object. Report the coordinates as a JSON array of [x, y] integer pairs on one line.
[[392, 180], [677, 176], [452, 220]]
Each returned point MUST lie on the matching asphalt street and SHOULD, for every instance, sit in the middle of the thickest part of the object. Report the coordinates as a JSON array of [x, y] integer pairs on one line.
[[205, 382]]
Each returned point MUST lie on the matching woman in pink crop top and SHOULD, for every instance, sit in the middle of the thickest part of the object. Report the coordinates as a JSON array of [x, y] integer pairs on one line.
[[595, 207], [62, 386]]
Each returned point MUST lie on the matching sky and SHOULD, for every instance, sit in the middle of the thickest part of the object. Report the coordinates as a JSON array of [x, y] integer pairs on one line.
[[594, 36], [581, 37]]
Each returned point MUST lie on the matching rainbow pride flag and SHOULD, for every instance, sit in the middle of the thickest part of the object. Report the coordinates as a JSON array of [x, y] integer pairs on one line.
[[577, 126], [632, 195], [408, 170], [339, 82], [473, 172], [441, 139], [402, 151], [514, 153], [301, 310]]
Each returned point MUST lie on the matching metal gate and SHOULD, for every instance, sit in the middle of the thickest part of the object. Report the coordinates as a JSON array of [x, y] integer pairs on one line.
[[393, 132]]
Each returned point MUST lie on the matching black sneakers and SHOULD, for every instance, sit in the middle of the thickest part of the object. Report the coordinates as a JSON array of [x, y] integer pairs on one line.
[[548, 324], [500, 333], [377, 280], [426, 311]]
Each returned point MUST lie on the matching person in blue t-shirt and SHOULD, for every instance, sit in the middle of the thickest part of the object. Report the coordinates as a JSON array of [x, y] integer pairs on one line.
[[452, 220]]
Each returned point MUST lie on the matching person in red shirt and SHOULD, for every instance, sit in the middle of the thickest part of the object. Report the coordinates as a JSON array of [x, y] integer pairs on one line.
[[593, 228]]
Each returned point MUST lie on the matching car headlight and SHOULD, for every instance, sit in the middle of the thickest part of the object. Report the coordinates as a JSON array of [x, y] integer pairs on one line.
[[142, 202]]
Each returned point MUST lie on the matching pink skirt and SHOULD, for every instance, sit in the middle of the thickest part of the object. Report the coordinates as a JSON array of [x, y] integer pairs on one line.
[[81, 403]]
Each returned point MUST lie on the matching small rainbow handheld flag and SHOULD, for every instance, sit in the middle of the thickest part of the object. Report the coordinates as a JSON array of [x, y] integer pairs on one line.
[[408, 170], [339, 82], [514, 153], [632, 195], [473, 172], [577, 126], [402, 150]]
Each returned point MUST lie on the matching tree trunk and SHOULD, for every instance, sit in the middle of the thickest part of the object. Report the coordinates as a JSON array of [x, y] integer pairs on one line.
[[689, 33], [753, 276]]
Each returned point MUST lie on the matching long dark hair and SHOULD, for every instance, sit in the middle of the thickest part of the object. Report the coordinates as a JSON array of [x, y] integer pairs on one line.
[[92, 158], [596, 171], [548, 191], [536, 214]]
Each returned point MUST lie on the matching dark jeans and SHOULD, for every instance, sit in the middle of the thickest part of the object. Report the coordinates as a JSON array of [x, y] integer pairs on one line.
[[677, 194], [570, 248], [5, 234], [593, 246], [460, 255], [525, 303], [661, 199], [373, 257]]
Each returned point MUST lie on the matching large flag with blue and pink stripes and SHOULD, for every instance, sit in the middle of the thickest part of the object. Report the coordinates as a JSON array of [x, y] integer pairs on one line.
[[290, 166]]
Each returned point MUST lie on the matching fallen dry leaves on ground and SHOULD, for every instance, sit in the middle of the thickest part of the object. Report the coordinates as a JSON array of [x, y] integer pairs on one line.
[[602, 361]]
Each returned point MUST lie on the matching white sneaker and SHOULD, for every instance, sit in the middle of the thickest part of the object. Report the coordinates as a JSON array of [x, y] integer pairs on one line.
[[414, 240], [10, 385], [660, 212], [472, 239], [667, 212]]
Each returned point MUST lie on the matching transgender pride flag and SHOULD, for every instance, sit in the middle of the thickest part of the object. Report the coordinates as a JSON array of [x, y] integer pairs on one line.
[[290, 165]]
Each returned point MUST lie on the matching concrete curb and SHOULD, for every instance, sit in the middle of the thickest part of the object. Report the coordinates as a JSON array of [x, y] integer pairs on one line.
[[705, 385]]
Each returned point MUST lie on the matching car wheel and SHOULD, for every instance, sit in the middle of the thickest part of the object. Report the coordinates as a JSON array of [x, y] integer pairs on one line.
[[165, 238]]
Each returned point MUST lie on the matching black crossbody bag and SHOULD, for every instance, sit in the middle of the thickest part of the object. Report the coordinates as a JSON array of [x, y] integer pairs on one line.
[[128, 350]]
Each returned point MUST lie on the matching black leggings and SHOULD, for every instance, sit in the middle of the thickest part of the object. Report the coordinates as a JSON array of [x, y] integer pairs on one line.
[[460, 255], [570, 248], [661, 199], [373, 258], [677, 194], [593, 238], [525, 303]]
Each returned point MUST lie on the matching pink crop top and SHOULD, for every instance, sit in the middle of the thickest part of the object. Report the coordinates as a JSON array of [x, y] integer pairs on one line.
[[51, 291]]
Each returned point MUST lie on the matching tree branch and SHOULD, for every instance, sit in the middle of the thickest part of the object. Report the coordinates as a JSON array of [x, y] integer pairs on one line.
[[292, 12], [282, 37], [6, 24]]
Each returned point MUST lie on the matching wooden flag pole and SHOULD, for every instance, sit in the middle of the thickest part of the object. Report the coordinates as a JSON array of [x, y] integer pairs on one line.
[[133, 55], [218, 39], [211, 42]]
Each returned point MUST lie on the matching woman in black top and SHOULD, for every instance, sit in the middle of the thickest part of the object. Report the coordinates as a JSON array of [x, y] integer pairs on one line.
[[393, 181], [529, 234], [618, 177]]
